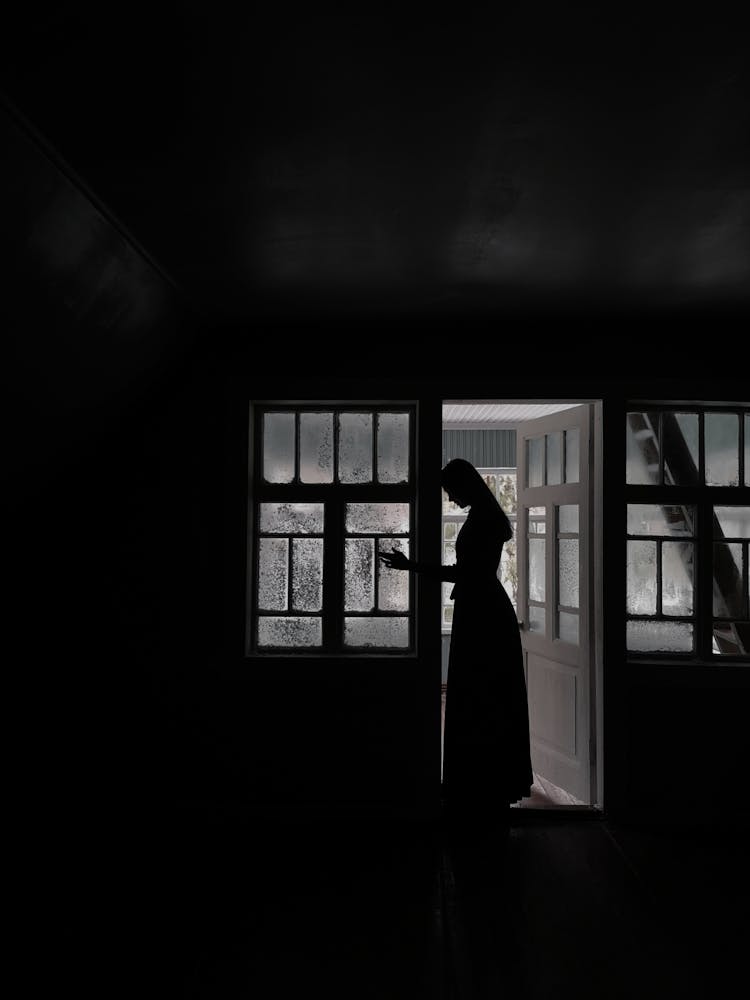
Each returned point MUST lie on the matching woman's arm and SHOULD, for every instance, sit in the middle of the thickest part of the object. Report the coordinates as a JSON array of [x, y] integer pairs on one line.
[[397, 560]]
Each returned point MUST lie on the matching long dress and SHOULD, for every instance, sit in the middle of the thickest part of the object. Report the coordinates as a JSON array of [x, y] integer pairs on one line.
[[486, 757]]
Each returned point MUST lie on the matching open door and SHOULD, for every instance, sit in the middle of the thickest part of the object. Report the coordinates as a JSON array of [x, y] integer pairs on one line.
[[555, 594]]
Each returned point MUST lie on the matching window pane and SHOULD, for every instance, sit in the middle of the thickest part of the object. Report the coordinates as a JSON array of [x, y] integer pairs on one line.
[[677, 578], [654, 519], [535, 461], [450, 530], [289, 631], [507, 495], [359, 574], [291, 518], [641, 592], [536, 619], [316, 447], [377, 518], [642, 448], [307, 574], [728, 580], [572, 461], [273, 567], [722, 449], [355, 447], [660, 637], [536, 569], [554, 458], [732, 522], [568, 627], [680, 440], [568, 572], [393, 447], [568, 518], [537, 522], [384, 633], [278, 447], [449, 553], [732, 638], [747, 449], [393, 584]]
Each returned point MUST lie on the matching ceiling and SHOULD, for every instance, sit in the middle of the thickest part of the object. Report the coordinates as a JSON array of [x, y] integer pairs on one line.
[[266, 160], [469, 415]]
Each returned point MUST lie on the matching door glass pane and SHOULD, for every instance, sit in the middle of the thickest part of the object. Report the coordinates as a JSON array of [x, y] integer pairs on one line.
[[568, 627], [355, 447], [572, 460], [387, 632], [289, 631], [732, 522], [273, 567], [642, 448], [680, 442], [535, 461], [316, 447], [393, 584], [307, 574], [568, 572], [554, 458], [377, 518], [278, 447], [728, 580], [656, 519], [537, 523], [722, 449], [568, 518], [291, 518], [536, 569], [393, 447], [641, 578], [359, 574], [660, 637], [536, 619], [450, 530], [677, 578]]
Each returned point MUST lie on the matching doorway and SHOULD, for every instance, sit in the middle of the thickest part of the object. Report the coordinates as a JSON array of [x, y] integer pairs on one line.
[[542, 460]]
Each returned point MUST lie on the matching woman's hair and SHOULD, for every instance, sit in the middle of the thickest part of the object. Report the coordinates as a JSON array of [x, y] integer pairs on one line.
[[461, 476]]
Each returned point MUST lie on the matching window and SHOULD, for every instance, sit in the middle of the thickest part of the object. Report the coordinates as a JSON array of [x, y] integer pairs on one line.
[[502, 482], [332, 488], [688, 525]]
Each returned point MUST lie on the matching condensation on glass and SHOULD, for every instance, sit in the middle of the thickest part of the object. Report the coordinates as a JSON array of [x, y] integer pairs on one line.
[[393, 585], [273, 570], [383, 633], [677, 578], [377, 518], [722, 449], [660, 519], [680, 441], [279, 447], [393, 447], [291, 518], [355, 447], [359, 574], [307, 574], [642, 448], [659, 637], [316, 447], [289, 631], [641, 577]]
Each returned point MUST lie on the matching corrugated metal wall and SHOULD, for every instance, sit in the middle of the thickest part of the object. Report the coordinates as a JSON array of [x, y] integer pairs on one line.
[[485, 449]]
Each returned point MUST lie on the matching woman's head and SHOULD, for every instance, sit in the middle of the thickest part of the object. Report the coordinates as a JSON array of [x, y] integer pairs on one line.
[[463, 483]]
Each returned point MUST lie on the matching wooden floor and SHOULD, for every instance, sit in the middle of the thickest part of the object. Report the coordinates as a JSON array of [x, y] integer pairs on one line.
[[221, 906]]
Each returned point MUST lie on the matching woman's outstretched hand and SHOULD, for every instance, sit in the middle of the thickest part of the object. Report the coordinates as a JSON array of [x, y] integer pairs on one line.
[[395, 560]]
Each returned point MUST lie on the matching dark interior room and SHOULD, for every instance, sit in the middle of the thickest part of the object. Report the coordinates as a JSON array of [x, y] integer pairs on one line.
[[267, 272]]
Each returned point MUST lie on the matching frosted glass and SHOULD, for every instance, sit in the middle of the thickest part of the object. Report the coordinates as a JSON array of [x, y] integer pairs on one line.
[[734, 522], [641, 576], [316, 447], [554, 458], [355, 447], [660, 637], [377, 518], [393, 584], [536, 569], [642, 448], [273, 567], [289, 631], [568, 518], [568, 572], [393, 447], [680, 442], [677, 560], [572, 451], [747, 449], [568, 627], [536, 619], [728, 580], [307, 574], [731, 638], [278, 447], [535, 456], [359, 574], [654, 519], [384, 633], [722, 449], [291, 518]]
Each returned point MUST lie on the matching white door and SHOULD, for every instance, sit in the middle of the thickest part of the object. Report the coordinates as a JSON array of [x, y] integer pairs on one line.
[[555, 593]]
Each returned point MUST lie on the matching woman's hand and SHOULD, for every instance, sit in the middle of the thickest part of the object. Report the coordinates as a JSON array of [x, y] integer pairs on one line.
[[395, 560]]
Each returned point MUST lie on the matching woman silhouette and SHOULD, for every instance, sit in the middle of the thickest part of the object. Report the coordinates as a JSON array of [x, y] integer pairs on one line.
[[486, 760]]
